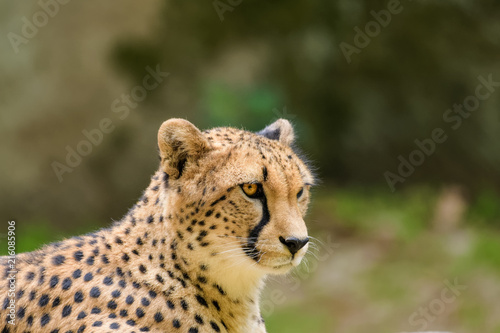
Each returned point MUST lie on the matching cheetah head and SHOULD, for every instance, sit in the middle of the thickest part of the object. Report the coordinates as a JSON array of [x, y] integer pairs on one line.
[[239, 197]]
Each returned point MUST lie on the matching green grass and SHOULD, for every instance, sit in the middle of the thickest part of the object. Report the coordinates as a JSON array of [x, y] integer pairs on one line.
[[296, 319]]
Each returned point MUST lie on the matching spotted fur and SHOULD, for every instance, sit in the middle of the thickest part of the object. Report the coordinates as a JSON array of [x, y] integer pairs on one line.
[[192, 254]]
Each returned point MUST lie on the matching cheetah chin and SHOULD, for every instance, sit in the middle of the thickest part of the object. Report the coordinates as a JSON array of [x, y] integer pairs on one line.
[[224, 209]]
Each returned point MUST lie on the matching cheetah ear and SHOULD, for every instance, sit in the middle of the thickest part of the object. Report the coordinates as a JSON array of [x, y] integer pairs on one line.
[[180, 143], [280, 130]]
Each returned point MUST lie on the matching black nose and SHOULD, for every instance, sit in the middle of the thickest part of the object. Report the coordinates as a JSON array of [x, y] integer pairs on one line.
[[294, 244]]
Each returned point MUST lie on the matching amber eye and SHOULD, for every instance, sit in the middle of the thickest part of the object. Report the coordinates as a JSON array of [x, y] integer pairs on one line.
[[252, 190]]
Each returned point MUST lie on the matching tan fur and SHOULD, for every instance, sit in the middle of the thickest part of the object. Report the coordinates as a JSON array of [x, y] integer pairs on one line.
[[182, 259]]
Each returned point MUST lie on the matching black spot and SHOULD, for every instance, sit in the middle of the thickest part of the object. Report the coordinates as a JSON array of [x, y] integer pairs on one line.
[[215, 326], [184, 305], [176, 323], [159, 278], [41, 279], [54, 280], [216, 304], [104, 259], [44, 320], [193, 330], [142, 269], [219, 288], [44, 300], [208, 213], [131, 322], [90, 260], [30, 276], [66, 284], [119, 271], [114, 326], [56, 302], [30, 320], [116, 293], [198, 319], [118, 240], [123, 313], [112, 305], [107, 281], [81, 315], [95, 292], [95, 311], [145, 301], [139, 312], [58, 260], [97, 323], [152, 294], [150, 219], [21, 312], [158, 317], [170, 304], [78, 297], [201, 300], [77, 273], [88, 277], [78, 255], [66, 311], [129, 300], [125, 257]]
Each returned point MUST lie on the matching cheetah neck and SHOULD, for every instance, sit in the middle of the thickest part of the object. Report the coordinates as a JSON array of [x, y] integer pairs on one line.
[[155, 254]]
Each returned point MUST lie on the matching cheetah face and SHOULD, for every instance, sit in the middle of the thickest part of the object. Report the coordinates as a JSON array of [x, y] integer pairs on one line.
[[250, 192]]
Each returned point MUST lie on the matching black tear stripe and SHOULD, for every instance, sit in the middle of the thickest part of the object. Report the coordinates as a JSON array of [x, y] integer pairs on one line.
[[264, 173], [249, 247]]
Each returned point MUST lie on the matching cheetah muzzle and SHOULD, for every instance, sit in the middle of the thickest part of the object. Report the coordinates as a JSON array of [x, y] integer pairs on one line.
[[224, 209]]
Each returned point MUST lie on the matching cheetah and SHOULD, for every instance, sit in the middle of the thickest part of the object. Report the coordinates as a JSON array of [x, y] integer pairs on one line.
[[224, 210]]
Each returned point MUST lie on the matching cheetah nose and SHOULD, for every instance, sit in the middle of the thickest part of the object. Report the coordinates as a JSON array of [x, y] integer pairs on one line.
[[294, 244]]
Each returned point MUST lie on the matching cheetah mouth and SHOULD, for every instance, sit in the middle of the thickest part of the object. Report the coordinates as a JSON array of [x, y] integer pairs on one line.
[[288, 265]]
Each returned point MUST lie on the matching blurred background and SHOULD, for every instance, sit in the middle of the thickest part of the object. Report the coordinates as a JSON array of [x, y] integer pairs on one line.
[[396, 103]]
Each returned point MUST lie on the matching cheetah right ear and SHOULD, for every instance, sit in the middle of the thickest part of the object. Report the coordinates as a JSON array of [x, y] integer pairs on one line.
[[280, 130], [180, 143]]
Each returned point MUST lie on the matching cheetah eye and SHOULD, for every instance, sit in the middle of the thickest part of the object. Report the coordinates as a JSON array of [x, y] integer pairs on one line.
[[252, 190], [300, 193]]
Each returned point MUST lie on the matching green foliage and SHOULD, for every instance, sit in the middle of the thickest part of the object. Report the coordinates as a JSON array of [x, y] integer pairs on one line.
[[297, 319], [485, 210], [243, 108]]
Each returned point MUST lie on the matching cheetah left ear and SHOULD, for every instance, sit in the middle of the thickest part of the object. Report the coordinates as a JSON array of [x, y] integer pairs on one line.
[[180, 144], [280, 130]]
